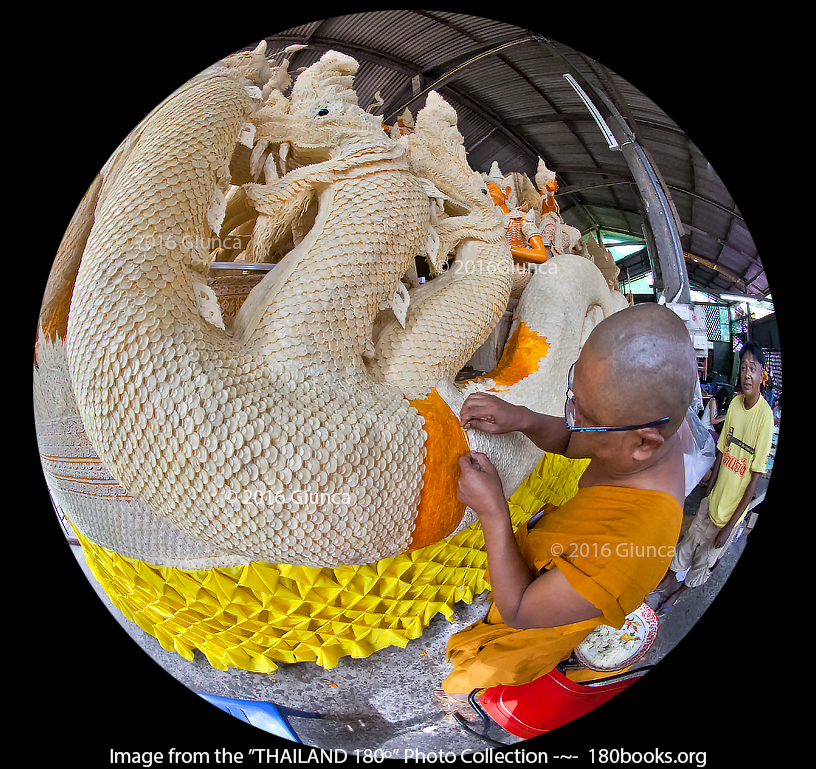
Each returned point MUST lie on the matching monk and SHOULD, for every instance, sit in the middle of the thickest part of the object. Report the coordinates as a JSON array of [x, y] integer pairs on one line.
[[595, 558]]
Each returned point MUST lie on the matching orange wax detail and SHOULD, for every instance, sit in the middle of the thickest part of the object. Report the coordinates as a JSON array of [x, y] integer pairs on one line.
[[535, 255], [439, 511], [522, 354], [499, 196], [536, 243], [548, 198]]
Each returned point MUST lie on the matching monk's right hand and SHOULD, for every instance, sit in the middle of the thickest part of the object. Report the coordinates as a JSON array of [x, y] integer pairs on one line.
[[491, 414], [480, 486]]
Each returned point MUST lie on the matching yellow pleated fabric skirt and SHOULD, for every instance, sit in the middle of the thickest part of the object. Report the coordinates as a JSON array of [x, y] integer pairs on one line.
[[255, 616]]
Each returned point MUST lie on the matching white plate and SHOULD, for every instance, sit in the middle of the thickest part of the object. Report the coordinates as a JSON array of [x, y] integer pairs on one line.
[[643, 624]]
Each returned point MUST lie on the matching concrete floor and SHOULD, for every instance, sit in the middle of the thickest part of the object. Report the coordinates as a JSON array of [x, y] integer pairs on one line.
[[675, 623], [384, 703]]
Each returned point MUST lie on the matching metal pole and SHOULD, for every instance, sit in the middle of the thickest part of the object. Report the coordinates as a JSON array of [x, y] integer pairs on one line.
[[659, 213], [661, 223]]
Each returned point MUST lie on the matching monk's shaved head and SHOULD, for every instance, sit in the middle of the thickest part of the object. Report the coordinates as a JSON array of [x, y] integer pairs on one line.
[[642, 365]]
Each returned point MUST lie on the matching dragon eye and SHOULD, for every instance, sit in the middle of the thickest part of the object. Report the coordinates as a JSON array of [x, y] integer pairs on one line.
[[323, 111]]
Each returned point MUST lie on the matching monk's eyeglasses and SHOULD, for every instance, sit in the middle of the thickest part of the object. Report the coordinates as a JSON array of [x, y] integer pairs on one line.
[[569, 415]]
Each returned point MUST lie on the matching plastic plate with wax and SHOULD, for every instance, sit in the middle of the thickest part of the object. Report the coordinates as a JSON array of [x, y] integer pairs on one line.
[[610, 649]]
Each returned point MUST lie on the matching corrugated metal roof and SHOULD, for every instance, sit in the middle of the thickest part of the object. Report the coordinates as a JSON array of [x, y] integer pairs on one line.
[[514, 106]]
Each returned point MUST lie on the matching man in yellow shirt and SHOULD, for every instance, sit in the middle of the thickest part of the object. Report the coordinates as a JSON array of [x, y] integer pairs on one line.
[[595, 558], [742, 453]]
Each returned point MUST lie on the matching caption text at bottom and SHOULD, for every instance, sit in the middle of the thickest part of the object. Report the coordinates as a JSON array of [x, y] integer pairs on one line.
[[267, 756]]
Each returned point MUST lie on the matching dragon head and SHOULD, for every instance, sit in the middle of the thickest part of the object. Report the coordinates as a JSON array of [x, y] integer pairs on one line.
[[321, 113], [249, 66], [436, 151]]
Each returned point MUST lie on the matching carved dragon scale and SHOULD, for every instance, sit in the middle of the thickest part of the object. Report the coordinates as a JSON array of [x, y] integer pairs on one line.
[[320, 427]]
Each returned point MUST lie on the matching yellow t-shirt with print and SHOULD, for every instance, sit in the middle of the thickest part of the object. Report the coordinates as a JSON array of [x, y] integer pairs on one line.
[[744, 442]]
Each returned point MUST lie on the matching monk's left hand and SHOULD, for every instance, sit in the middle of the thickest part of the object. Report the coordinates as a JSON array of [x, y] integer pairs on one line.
[[480, 487]]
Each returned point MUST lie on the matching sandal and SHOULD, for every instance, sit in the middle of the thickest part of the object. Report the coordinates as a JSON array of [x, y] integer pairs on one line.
[[456, 703]]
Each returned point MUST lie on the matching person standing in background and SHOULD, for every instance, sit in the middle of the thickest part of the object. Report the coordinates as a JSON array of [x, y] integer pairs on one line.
[[743, 448]]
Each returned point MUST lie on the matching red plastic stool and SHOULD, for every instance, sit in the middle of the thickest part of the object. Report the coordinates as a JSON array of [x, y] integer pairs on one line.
[[550, 701]]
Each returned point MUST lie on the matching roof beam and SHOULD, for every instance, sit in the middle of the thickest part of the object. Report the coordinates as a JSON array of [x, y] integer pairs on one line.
[[715, 267], [520, 73], [359, 52], [720, 242], [582, 187], [709, 201], [602, 207], [558, 117]]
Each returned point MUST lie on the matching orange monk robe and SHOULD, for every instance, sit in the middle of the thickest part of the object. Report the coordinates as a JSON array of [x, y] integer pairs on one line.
[[613, 544]]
